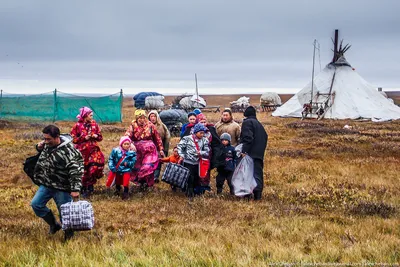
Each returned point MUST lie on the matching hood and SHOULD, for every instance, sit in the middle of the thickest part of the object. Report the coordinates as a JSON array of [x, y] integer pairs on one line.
[[65, 140], [250, 112], [159, 122]]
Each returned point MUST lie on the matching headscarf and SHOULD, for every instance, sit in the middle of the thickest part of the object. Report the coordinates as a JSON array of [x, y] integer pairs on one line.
[[123, 140], [199, 128], [200, 117], [139, 113], [83, 112]]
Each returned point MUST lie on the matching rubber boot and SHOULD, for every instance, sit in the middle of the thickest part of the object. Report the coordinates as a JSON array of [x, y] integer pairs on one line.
[[125, 196], [257, 195], [51, 220], [84, 191], [156, 176], [68, 234], [117, 190]]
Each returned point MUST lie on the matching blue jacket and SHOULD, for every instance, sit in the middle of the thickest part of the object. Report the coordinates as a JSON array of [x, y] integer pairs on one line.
[[230, 158], [116, 155], [183, 129]]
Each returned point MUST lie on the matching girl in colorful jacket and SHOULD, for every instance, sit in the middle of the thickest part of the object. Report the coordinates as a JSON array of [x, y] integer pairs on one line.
[[121, 162], [190, 149]]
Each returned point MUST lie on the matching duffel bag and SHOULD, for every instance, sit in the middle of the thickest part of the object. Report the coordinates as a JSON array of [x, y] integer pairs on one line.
[[77, 216], [176, 175]]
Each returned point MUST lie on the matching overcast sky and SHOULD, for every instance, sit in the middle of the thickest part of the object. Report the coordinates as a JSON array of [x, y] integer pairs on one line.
[[99, 46]]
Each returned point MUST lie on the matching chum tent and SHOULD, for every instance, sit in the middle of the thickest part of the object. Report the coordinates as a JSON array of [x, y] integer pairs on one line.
[[342, 93]]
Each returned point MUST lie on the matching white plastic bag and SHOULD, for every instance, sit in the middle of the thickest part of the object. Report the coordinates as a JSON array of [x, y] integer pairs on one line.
[[243, 181]]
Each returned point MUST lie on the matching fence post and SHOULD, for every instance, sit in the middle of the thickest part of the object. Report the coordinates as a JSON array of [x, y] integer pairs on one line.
[[55, 105], [121, 97], [1, 102]]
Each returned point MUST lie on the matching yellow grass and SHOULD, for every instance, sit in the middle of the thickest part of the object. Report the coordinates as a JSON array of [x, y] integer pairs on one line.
[[331, 196]]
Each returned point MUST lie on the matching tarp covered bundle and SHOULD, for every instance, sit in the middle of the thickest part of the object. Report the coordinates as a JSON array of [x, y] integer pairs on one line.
[[270, 98], [140, 98], [241, 103], [154, 102], [191, 102], [171, 117]]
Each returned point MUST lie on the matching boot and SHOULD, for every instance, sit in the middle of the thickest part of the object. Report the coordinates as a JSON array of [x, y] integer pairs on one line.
[[91, 189], [219, 190], [125, 196], [117, 190], [156, 176], [51, 220], [84, 191], [257, 195], [190, 192], [68, 234]]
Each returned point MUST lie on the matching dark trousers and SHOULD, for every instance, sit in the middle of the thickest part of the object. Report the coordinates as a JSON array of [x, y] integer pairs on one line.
[[194, 179], [258, 174], [158, 170], [221, 177]]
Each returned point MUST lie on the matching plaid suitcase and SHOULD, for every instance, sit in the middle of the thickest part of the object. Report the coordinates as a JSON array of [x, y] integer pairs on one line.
[[176, 175], [77, 216]]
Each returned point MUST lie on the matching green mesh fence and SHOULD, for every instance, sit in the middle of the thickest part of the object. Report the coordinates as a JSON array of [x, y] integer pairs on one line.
[[58, 106]]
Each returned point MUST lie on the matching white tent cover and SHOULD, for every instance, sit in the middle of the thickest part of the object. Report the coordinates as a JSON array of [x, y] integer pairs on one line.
[[354, 97]]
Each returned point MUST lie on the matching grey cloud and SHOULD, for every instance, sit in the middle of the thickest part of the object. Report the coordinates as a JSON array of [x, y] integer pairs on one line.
[[263, 42]]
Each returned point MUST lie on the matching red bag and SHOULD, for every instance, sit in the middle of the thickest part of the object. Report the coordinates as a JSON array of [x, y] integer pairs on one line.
[[204, 164], [204, 167]]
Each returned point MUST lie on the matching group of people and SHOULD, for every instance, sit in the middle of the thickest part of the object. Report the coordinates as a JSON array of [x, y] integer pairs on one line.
[[71, 164]]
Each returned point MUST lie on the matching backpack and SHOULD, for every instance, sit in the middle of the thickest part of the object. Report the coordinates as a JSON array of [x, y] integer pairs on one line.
[[30, 164]]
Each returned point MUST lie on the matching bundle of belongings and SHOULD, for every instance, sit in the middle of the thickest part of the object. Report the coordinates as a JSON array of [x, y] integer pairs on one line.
[[241, 104], [174, 119], [270, 98], [192, 102], [148, 100]]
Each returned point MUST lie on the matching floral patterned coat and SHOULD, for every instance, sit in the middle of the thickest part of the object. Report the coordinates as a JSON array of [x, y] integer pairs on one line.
[[146, 132], [90, 150]]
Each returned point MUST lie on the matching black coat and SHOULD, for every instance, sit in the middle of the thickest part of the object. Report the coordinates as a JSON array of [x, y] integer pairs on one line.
[[254, 138], [217, 148]]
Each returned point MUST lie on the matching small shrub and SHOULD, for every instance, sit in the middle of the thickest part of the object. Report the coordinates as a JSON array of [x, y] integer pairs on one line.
[[368, 208], [4, 124], [287, 153], [112, 129], [305, 125], [331, 131], [29, 136]]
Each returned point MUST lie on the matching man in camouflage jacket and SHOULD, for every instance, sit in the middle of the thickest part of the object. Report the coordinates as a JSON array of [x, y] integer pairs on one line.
[[58, 173]]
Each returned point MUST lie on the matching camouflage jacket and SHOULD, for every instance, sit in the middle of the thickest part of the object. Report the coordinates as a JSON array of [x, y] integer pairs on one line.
[[60, 167]]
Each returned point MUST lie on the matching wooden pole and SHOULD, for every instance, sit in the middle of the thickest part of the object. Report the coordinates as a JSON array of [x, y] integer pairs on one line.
[[197, 89], [312, 76], [55, 105], [121, 95], [335, 50], [1, 102]]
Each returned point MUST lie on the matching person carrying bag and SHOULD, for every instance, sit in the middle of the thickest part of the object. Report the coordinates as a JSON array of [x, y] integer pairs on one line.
[[193, 149]]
